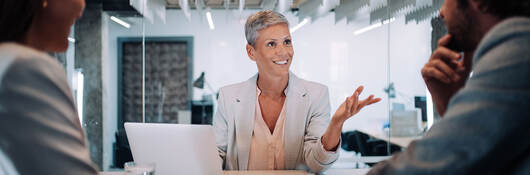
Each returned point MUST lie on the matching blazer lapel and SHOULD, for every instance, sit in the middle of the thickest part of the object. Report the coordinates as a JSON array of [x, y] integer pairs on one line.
[[244, 122], [296, 115]]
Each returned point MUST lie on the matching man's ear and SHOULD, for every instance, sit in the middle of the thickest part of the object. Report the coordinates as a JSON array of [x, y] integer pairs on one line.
[[250, 52]]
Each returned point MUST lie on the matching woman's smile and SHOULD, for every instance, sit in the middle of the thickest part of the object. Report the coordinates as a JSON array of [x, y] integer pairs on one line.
[[281, 62]]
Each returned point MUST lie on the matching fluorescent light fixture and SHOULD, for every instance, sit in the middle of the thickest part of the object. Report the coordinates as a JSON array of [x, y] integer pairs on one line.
[[80, 78], [299, 25], [374, 26], [121, 22], [210, 21], [389, 20], [70, 39]]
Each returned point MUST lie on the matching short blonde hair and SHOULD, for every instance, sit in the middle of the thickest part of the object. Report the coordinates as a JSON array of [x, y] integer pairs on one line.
[[261, 20]]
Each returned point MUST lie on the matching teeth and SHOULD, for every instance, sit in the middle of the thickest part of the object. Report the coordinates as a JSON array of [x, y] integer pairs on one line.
[[281, 62]]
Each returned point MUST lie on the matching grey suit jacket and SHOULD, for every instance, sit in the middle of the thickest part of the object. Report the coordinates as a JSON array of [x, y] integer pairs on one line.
[[486, 129], [39, 128], [307, 117]]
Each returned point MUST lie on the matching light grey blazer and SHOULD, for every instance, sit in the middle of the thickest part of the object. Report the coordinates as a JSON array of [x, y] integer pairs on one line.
[[486, 127], [39, 129], [307, 118]]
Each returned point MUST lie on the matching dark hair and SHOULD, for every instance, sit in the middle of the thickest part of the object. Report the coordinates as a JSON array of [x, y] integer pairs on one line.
[[16, 17], [503, 8]]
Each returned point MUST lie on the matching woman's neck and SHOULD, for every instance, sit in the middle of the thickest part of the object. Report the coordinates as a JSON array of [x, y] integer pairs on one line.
[[29, 40], [273, 86]]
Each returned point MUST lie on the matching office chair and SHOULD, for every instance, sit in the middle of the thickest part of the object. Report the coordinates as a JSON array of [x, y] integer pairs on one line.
[[364, 144], [122, 150]]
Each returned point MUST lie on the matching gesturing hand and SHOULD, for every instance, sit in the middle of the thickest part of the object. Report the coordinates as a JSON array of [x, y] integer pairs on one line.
[[352, 105]]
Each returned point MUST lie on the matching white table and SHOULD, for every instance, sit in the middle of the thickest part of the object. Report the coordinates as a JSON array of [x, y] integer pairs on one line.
[[287, 172], [346, 171]]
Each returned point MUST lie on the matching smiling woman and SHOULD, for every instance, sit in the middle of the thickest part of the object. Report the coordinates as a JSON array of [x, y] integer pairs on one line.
[[275, 120], [273, 51]]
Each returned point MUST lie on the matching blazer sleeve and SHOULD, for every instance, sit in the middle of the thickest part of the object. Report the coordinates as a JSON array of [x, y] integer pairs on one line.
[[315, 156], [40, 129], [220, 126]]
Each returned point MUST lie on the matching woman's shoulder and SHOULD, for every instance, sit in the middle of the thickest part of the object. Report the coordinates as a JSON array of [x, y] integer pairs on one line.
[[18, 51], [21, 66], [236, 87], [311, 86], [15, 57]]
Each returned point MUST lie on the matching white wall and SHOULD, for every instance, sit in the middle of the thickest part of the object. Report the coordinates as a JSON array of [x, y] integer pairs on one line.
[[325, 52]]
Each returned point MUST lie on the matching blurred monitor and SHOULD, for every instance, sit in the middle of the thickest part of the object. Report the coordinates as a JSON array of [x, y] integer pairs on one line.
[[421, 102], [398, 107]]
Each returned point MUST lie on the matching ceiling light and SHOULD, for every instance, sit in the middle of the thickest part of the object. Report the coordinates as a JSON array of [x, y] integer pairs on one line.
[[121, 22], [371, 27], [304, 22], [210, 21]]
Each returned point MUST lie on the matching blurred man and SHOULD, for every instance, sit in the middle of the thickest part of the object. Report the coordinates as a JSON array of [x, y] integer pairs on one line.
[[486, 118]]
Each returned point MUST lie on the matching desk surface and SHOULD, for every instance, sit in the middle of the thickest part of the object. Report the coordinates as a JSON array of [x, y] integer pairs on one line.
[[374, 128], [287, 172]]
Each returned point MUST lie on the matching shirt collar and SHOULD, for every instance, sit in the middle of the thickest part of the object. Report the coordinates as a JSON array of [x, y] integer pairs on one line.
[[258, 91]]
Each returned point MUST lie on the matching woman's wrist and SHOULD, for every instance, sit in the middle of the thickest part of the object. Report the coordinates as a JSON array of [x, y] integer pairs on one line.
[[337, 120], [331, 137]]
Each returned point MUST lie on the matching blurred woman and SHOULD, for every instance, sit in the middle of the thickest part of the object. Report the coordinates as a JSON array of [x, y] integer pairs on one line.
[[275, 120], [40, 132]]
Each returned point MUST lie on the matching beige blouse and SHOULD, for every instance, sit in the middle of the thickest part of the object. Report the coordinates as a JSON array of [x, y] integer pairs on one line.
[[267, 150]]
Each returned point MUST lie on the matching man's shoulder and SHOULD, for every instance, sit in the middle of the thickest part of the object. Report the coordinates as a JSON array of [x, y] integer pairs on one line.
[[504, 55], [510, 38], [500, 68]]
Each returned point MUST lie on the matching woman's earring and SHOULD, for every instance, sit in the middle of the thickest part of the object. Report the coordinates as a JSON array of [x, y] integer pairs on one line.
[[44, 4]]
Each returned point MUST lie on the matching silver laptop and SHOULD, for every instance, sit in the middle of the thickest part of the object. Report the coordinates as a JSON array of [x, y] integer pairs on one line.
[[175, 148]]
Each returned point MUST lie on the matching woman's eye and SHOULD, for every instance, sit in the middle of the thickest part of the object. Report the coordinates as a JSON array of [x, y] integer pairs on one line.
[[271, 44], [287, 42]]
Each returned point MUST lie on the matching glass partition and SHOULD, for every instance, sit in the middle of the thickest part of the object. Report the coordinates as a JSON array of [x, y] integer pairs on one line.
[[163, 61]]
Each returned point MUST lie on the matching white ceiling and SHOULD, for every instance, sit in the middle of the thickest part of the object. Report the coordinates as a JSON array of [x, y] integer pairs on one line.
[[377, 10]]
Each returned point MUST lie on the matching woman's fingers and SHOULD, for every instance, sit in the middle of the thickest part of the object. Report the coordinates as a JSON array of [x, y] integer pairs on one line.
[[375, 101], [359, 90], [355, 101], [368, 101], [364, 103], [354, 105], [348, 105]]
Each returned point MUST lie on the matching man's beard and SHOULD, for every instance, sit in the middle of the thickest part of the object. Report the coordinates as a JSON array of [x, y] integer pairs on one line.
[[463, 32]]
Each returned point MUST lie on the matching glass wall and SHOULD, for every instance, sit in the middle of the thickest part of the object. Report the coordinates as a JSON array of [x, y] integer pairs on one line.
[[161, 61]]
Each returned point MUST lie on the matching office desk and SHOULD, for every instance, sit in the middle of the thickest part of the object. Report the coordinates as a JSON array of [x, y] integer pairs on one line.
[[288, 172], [346, 171], [374, 127], [291, 172]]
